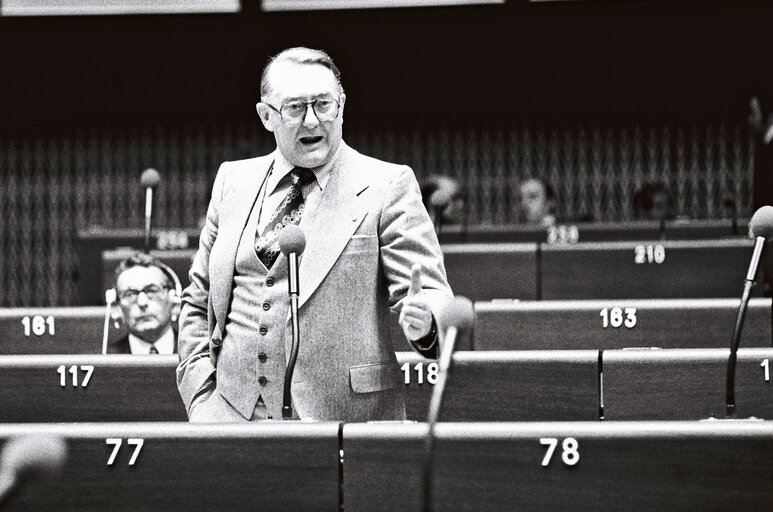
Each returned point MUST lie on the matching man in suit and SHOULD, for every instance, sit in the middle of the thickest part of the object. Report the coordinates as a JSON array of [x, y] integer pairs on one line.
[[370, 247], [147, 305]]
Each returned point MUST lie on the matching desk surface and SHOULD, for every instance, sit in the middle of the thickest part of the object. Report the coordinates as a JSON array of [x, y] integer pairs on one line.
[[268, 466], [618, 323], [636, 466]]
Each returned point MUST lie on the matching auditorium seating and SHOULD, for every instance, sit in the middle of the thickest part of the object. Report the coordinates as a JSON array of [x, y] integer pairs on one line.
[[622, 466], [184, 467], [595, 261], [487, 386], [500, 325]]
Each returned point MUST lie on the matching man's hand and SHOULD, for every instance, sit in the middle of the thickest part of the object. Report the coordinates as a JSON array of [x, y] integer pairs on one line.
[[415, 316]]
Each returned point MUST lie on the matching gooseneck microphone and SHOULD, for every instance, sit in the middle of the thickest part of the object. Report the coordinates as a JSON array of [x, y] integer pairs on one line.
[[292, 242], [456, 316], [149, 180], [761, 229], [36, 456]]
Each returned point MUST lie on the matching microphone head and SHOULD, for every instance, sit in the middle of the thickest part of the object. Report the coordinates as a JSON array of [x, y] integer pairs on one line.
[[34, 455], [762, 223], [150, 178], [292, 239], [458, 313]]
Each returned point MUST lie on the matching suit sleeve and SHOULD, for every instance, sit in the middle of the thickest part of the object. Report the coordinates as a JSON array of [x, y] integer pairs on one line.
[[195, 373], [407, 236]]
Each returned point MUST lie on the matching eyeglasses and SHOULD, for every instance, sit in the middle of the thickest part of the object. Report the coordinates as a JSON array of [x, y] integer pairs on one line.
[[153, 291], [294, 112]]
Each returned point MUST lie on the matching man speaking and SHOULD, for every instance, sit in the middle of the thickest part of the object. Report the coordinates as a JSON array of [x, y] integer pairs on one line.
[[370, 246]]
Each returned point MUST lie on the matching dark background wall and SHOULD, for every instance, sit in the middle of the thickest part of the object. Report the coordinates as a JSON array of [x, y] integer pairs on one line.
[[609, 59], [596, 96]]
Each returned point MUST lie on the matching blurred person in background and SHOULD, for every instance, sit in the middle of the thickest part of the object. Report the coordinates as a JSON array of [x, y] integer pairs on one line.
[[537, 202], [442, 197]]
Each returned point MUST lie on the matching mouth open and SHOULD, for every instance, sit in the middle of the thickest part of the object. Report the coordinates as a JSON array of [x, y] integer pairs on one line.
[[309, 141]]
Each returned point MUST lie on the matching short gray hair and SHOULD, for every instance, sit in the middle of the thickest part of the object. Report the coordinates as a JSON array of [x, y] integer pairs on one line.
[[299, 55]]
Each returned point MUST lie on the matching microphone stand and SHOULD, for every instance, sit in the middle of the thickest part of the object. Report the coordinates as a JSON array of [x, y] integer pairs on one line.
[[436, 400], [148, 216], [292, 262], [731, 362]]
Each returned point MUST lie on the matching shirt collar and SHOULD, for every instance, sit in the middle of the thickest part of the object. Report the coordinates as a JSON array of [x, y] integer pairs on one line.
[[164, 344], [282, 168]]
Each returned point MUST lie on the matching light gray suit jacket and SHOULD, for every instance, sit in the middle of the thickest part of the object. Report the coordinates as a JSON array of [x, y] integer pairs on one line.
[[369, 229]]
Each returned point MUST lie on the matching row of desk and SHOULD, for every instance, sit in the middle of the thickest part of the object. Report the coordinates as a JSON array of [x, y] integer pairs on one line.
[[635, 466], [500, 325], [591, 270], [571, 385], [596, 260]]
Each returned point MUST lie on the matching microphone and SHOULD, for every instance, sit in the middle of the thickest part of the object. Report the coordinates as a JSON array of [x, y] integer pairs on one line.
[[149, 180], [29, 457], [456, 316], [292, 242], [111, 299], [761, 229]]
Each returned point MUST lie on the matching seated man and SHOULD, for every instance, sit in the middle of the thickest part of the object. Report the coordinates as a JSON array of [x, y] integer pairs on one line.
[[149, 306], [537, 202], [442, 197]]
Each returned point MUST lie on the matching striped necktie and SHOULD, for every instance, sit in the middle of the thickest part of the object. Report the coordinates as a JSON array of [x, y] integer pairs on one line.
[[289, 211]]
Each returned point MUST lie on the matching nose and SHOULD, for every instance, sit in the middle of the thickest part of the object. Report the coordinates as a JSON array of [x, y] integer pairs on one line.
[[310, 119], [142, 299]]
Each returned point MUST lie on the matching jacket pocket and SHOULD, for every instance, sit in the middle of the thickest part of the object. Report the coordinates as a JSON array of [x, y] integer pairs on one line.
[[368, 378]]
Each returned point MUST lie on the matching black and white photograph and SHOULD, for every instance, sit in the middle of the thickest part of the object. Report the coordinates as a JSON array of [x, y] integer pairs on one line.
[[531, 271]]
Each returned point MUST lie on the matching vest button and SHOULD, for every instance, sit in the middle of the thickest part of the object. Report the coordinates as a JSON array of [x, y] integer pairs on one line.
[[262, 380], [262, 357], [263, 330], [270, 281], [266, 306]]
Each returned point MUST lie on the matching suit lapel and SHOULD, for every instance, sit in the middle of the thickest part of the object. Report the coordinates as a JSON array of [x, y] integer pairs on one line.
[[338, 215], [238, 205]]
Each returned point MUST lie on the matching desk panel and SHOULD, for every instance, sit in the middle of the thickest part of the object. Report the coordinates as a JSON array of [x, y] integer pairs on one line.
[[687, 384], [634, 466], [487, 271], [269, 466], [508, 386], [53, 330], [117, 388], [645, 269], [616, 324]]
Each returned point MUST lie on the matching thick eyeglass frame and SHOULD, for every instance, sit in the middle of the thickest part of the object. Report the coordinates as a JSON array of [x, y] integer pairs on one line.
[[153, 291], [313, 103]]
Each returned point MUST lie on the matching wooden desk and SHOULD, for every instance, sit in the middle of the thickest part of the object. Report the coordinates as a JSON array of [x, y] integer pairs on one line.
[[74, 330], [119, 388], [267, 466], [633, 466], [486, 271], [509, 386], [492, 386], [687, 384], [594, 324], [593, 231], [645, 269]]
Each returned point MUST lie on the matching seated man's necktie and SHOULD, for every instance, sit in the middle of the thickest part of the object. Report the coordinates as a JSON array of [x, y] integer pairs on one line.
[[288, 212]]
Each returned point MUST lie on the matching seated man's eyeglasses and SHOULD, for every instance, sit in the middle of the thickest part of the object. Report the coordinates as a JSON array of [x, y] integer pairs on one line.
[[294, 112], [153, 291]]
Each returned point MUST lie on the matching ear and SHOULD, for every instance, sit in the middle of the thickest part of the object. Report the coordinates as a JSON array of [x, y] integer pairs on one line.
[[342, 100], [264, 113], [175, 299]]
